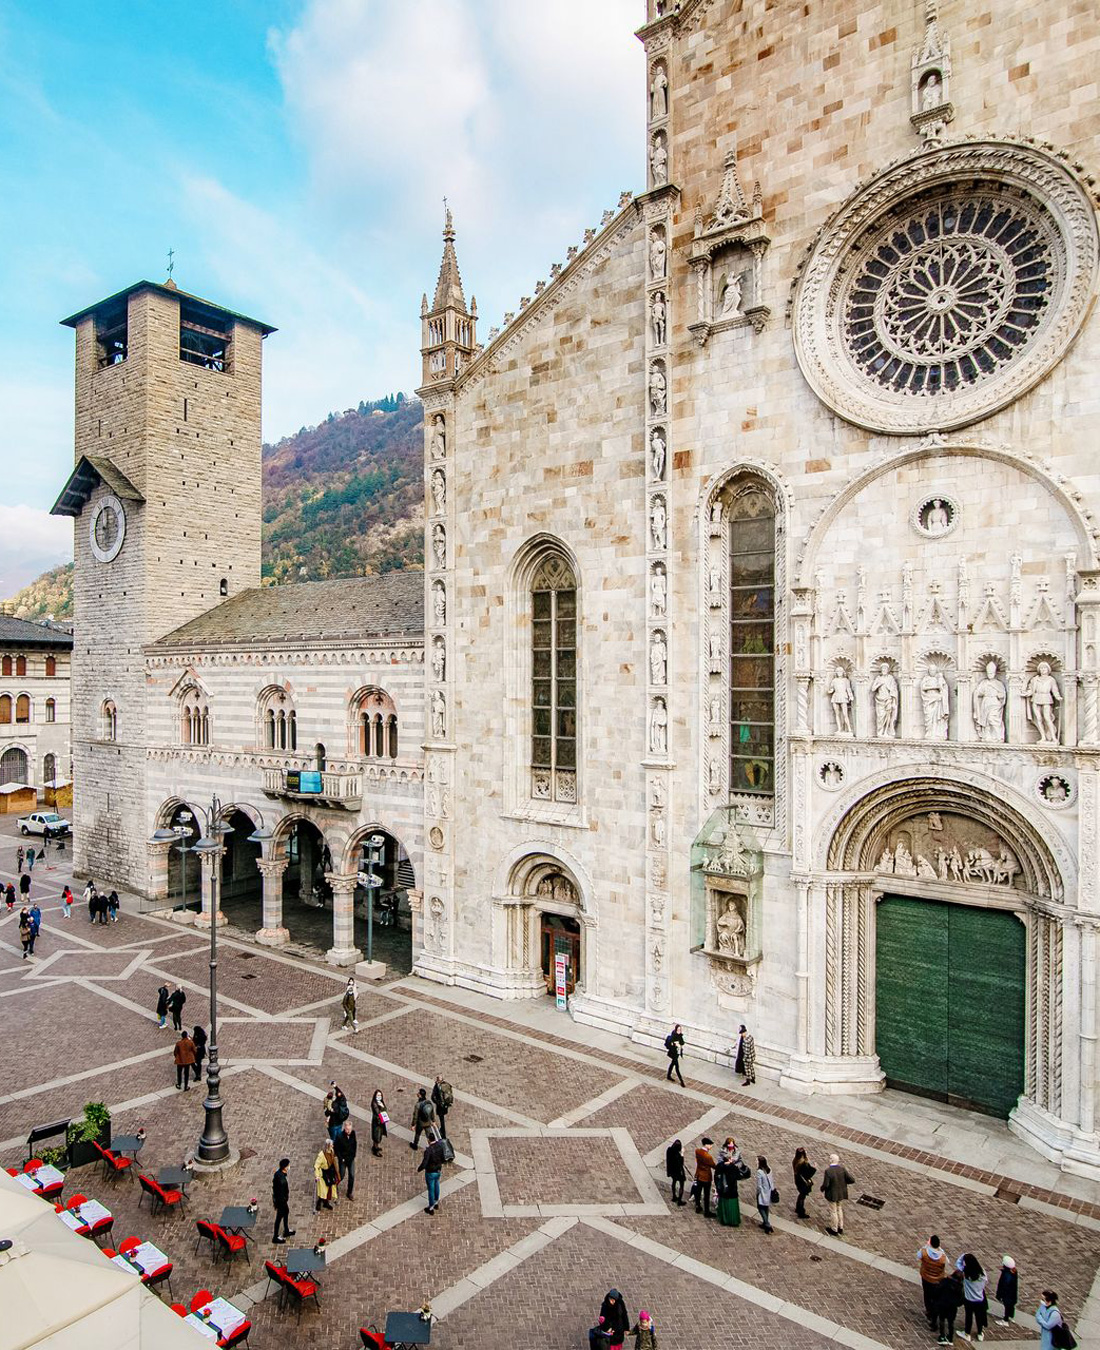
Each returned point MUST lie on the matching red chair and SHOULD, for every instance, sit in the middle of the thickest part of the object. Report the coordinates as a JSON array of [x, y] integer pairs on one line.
[[373, 1339], [128, 1245], [179, 1308], [148, 1188], [75, 1201], [276, 1275], [297, 1291], [114, 1164], [12, 1171], [201, 1298], [170, 1198], [237, 1337], [109, 1253], [32, 1164], [229, 1244], [46, 1192], [207, 1232]]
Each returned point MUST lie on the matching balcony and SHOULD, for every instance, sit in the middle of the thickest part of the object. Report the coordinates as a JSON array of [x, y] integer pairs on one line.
[[325, 788]]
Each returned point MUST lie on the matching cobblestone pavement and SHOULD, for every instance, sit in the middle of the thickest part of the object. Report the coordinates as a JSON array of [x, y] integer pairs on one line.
[[83, 1030]]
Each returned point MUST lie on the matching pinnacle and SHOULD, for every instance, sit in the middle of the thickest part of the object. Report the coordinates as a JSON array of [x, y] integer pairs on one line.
[[448, 290]]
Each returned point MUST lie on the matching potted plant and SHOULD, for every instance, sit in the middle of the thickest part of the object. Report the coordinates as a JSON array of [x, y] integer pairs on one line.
[[93, 1128]]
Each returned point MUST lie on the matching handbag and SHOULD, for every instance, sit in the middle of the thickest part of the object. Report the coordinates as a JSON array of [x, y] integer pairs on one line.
[[1062, 1338], [384, 1117], [329, 1176], [775, 1196], [448, 1150], [743, 1171]]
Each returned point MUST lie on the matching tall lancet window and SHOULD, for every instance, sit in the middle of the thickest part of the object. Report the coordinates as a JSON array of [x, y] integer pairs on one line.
[[554, 680], [751, 524]]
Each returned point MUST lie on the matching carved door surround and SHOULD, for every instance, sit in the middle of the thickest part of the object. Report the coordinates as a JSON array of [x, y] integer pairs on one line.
[[994, 857], [535, 883]]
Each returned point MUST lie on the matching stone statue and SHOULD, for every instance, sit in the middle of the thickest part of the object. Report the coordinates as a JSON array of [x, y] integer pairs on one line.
[[657, 830], [935, 699], [714, 586], [439, 438], [660, 592], [932, 93], [1054, 789], [714, 720], [439, 545], [925, 868], [658, 161], [658, 659], [658, 522], [658, 252], [658, 93], [714, 649], [439, 491], [657, 453], [989, 705], [729, 296], [658, 313], [439, 602], [730, 930], [1041, 699], [439, 714], [658, 727], [658, 389], [884, 691], [714, 776], [832, 775], [840, 696], [937, 519], [904, 866], [439, 660]]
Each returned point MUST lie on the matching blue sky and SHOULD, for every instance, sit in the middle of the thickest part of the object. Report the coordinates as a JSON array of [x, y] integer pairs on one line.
[[295, 156]]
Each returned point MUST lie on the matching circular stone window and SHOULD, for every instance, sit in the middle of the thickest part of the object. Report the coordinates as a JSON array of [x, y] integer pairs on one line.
[[946, 288]]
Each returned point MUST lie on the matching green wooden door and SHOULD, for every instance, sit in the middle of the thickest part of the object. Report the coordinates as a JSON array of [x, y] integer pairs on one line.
[[950, 1002]]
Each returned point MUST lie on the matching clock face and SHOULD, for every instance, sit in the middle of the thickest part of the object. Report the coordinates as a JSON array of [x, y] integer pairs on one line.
[[108, 529]]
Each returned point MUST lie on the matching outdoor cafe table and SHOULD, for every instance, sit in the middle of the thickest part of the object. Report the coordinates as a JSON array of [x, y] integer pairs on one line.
[[173, 1176], [222, 1320], [404, 1329], [237, 1219], [143, 1260], [84, 1217], [127, 1143], [40, 1178], [305, 1261]]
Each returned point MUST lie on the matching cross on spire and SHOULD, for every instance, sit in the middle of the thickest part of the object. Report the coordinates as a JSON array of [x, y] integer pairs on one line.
[[171, 261]]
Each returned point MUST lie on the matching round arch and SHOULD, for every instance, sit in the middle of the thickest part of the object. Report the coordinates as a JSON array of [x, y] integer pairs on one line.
[[544, 899]]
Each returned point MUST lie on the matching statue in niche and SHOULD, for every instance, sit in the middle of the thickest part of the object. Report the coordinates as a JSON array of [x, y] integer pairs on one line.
[[714, 649], [658, 659], [439, 660], [730, 930], [935, 700], [936, 519], [658, 93], [439, 491], [658, 389], [932, 93], [1055, 790], [884, 691], [729, 296], [660, 592], [658, 161], [439, 438], [714, 776], [656, 794], [989, 706], [1041, 698], [658, 829], [657, 453], [658, 727], [658, 314], [439, 714], [658, 254], [832, 775], [840, 696], [439, 545], [439, 602], [714, 720], [658, 522]]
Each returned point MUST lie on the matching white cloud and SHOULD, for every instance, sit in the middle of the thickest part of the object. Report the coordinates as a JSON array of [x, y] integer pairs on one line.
[[31, 541]]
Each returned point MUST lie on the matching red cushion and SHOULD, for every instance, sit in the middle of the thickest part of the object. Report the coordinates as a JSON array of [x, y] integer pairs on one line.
[[233, 1241], [304, 1287], [128, 1244], [237, 1335], [170, 1197]]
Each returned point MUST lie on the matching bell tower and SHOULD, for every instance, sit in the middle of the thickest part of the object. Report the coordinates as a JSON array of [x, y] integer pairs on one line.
[[448, 330], [165, 497]]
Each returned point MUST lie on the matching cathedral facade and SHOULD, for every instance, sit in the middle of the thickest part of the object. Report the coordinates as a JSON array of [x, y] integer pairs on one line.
[[762, 581]]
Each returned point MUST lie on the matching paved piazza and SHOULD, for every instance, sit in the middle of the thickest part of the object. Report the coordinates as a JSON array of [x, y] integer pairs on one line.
[[557, 1192]]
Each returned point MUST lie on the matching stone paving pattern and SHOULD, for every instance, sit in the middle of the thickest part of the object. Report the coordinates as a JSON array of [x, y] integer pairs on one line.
[[57, 1030]]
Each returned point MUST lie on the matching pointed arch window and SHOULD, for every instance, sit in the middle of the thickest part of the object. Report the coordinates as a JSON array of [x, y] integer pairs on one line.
[[373, 724], [194, 719], [554, 680], [751, 553]]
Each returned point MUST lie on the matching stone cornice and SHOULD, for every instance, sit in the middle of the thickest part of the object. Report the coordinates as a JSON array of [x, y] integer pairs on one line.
[[329, 653]]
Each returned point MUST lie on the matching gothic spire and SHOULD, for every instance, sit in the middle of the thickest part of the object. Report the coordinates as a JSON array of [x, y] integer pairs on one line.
[[448, 289]]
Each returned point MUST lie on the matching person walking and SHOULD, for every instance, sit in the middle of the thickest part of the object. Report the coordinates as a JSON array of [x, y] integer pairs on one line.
[[745, 1061], [36, 923], [67, 903], [112, 907], [431, 1164], [350, 1003], [379, 1119], [704, 1176], [675, 1170], [346, 1145], [25, 886], [644, 1332], [834, 1186], [183, 1052], [674, 1048], [326, 1170], [616, 1319], [423, 1116], [726, 1177], [975, 1304], [443, 1098], [199, 1037], [804, 1173], [949, 1299], [162, 1005], [766, 1194], [176, 1000], [933, 1271], [90, 899], [280, 1202], [1048, 1317], [26, 933], [30, 860], [1008, 1290], [19, 858], [338, 1111], [9, 896]]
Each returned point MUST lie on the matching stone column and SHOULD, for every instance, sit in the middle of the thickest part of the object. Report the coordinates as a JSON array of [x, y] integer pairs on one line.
[[158, 853], [416, 910], [272, 934], [343, 951], [307, 861], [209, 865]]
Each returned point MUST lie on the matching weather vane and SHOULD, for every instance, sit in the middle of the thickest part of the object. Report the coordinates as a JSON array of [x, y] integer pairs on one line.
[[171, 261]]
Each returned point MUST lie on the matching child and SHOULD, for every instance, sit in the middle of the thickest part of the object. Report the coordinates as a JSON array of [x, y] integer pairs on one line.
[[9, 896], [644, 1332], [67, 903], [597, 1336], [1008, 1288]]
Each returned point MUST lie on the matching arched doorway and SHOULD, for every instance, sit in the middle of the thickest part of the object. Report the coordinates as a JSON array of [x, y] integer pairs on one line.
[[560, 935], [541, 912], [944, 969], [13, 766], [184, 867], [375, 851], [307, 896], [242, 885]]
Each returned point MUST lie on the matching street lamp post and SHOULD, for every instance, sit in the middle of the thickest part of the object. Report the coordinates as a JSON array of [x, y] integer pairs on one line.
[[214, 1144]]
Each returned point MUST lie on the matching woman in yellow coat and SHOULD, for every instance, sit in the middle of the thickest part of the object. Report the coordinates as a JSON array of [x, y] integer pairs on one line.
[[327, 1172]]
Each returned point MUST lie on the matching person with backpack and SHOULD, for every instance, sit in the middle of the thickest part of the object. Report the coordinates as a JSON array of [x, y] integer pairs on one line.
[[67, 903], [674, 1048], [338, 1111], [162, 1006], [431, 1164], [949, 1299], [423, 1116], [443, 1099], [1053, 1332]]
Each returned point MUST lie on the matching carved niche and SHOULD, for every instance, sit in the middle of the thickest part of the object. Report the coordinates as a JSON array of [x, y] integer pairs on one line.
[[727, 256], [731, 881]]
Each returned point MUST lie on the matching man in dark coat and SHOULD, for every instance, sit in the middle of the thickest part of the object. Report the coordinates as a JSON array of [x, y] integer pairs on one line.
[[162, 1004], [834, 1184], [176, 1000], [423, 1116], [616, 1319], [184, 1055], [431, 1164], [442, 1099], [199, 1037], [280, 1200], [347, 1146]]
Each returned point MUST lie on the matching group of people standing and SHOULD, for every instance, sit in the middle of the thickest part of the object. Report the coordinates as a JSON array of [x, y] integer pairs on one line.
[[103, 906], [613, 1326]]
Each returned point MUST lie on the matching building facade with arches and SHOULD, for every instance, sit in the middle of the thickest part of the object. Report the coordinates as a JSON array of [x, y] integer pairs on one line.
[[762, 578], [35, 752]]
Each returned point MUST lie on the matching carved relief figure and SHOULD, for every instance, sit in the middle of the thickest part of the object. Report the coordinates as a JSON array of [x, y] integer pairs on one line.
[[658, 521], [989, 705], [658, 659], [728, 297], [932, 93], [935, 701], [936, 520], [439, 438], [439, 545], [439, 491], [832, 775], [714, 719], [884, 691], [660, 591], [658, 727], [658, 389], [439, 602], [714, 649], [658, 93], [1041, 699], [714, 586], [439, 714], [657, 453], [840, 696], [658, 253], [658, 313], [730, 930], [714, 776], [1055, 790], [439, 659], [657, 830], [658, 161]]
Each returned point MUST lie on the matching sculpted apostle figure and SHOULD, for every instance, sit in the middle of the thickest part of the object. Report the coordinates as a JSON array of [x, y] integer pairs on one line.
[[439, 545], [658, 727], [657, 522], [439, 659], [439, 438], [658, 659], [884, 691], [658, 388], [989, 705], [660, 592], [840, 696], [935, 700], [439, 714], [658, 162], [657, 254], [439, 602], [439, 491], [658, 313], [1042, 697], [730, 929], [658, 93], [931, 94], [657, 453], [729, 296]]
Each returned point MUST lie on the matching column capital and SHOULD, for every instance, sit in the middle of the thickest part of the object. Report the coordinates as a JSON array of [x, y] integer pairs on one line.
[[272, 867], [342, 883]]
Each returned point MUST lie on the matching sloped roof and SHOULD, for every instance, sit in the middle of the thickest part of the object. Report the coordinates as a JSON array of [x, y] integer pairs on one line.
[[169, 289], [391, 605], [23, 633], [89, 472]]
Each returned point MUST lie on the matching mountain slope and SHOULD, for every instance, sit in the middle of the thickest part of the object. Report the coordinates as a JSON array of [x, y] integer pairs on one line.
[[342, 499]]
